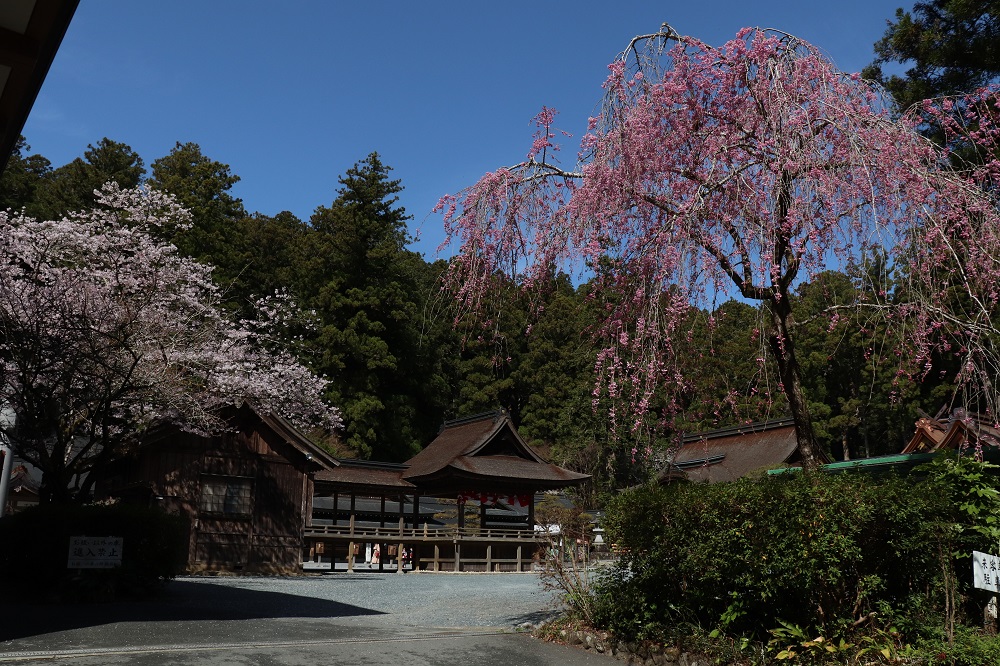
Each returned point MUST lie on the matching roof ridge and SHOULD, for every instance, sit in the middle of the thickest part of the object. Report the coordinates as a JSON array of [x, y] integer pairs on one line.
[[482, 416], [756, 426], [376, 464]]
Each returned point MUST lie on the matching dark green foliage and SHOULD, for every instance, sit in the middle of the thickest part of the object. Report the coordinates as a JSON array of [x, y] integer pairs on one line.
[[862, 395], [202, 185], [820, 550], [729, 382], [948, 46], [824, 568], [22, 178], [370, 305], [491, 350], [71, 186], [36, 547], [970, 647], [534, 357], [274, 255], [554, 372], [265, 255]]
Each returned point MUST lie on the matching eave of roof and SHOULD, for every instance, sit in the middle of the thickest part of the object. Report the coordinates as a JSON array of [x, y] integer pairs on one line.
[[297, 439], [361, 475], [456, 457], [509, 467], [26, 53], [454, 439], [314, 454], [455, 479], [745, 429]]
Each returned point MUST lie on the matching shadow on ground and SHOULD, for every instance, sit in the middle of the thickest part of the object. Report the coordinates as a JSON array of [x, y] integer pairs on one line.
[[538, 617], [179, 601]]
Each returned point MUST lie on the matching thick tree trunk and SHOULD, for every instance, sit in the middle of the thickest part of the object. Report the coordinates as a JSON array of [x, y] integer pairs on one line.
[[783, 350], [54, 489]]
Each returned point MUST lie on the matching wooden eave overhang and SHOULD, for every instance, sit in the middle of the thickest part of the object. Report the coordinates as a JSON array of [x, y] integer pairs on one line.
[[30, 34], [456, 479], [316, 455], [362, 477]]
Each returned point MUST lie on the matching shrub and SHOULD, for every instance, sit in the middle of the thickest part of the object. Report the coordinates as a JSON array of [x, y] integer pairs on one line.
[[970, 647], [36, 547], [820, 550]]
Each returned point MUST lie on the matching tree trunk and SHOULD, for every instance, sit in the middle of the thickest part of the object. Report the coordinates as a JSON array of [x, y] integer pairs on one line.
[[54, 489], [783, 350]]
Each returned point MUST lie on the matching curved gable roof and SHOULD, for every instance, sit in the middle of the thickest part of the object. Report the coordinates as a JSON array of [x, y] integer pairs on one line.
[[943, 433], [485, 448]]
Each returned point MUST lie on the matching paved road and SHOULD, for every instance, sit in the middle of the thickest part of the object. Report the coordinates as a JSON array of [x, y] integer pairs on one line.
[[409, 620]]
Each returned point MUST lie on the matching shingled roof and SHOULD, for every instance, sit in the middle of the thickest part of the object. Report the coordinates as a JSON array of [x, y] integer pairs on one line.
[[730, 453], [363, 476], [485, 451]]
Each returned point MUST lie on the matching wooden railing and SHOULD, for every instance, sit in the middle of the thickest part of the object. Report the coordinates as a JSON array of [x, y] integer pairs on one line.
[[421, 533]]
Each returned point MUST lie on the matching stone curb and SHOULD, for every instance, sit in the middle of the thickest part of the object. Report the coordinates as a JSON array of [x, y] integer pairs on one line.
[[639, 653]]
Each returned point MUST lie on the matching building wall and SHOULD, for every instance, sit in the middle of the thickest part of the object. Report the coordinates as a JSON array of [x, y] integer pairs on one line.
[[243, 493]]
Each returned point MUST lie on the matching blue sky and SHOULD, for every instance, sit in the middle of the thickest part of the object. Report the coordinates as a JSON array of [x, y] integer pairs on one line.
[[291, 94]]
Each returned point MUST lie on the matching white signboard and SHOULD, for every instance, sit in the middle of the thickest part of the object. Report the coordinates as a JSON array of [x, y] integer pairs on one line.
[[986, 571], [94, 552]]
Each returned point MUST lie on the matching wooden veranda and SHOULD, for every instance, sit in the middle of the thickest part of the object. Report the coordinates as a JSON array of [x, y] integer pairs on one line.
[[435, 549], [464, 503]]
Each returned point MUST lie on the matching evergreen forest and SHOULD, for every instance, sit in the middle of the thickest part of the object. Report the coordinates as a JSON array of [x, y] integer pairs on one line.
[[402, 358]]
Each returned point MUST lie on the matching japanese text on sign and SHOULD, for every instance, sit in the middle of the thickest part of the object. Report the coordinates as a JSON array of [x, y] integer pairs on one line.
[[985, 571], [94, 552]]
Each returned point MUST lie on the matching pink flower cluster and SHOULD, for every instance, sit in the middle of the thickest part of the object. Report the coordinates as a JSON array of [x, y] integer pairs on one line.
[[105, 330], [740, 171]]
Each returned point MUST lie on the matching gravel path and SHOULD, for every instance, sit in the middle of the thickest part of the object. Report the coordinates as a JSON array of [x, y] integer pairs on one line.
[[413, 599], [419, 619]]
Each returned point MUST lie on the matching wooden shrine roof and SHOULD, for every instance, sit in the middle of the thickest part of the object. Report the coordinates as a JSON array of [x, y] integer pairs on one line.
[[730, 453], [364, 475], [949, 432], [484, 451]]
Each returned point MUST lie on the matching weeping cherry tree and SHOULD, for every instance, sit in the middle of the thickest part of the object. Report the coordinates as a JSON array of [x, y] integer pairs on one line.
[[741, 171]]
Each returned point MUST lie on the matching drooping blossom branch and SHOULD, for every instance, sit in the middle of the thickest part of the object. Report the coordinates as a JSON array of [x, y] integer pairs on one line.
[[741, 171]]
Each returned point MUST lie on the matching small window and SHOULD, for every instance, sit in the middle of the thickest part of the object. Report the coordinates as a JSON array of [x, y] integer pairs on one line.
[[225, 495]]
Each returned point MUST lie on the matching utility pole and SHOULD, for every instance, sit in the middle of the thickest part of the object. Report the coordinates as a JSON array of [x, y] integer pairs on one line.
[[7, 421], [8, 463]]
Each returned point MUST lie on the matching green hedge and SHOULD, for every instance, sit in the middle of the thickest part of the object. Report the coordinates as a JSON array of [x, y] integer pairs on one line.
[[818, 550], [36, 548]]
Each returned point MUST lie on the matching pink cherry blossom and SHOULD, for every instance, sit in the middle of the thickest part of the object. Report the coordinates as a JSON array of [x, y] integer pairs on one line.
[[105, 331], [741, 171]]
